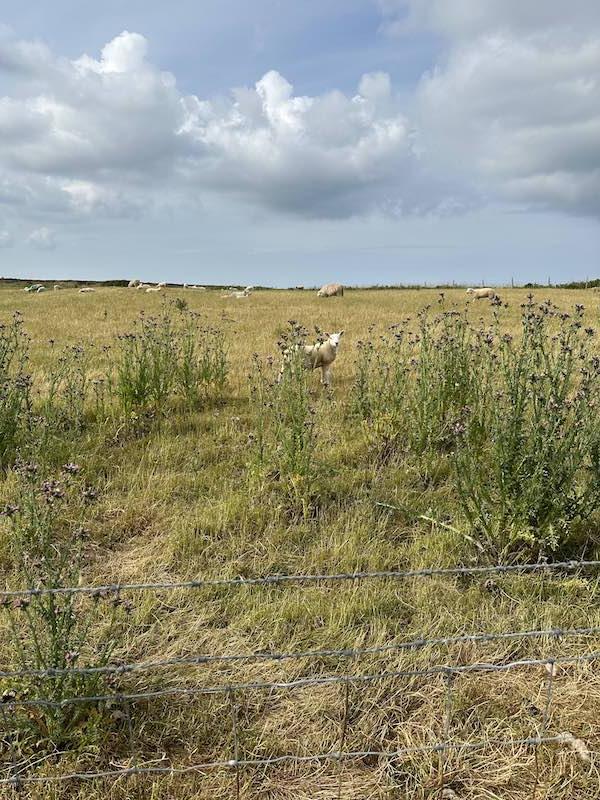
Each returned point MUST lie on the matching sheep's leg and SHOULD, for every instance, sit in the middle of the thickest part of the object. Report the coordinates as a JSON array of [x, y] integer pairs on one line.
[[325, 375]]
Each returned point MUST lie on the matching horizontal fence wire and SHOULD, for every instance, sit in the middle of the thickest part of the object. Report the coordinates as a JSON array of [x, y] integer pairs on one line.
[[197, 660], [267, 580], [20, 773], [319, 680], [535, 741]]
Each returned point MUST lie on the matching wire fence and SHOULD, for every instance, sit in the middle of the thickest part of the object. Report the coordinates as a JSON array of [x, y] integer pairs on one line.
[[18, 771]]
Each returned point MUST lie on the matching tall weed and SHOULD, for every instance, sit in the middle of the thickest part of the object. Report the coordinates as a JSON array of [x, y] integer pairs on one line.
[[54, 631], [64, 402], [539, 469], [165, 358], [413, 386], [145, 363], [201, 365], [15, 388], [285, 440]]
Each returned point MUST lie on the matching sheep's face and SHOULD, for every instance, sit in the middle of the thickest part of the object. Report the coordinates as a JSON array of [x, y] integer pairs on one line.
[[334, 338]]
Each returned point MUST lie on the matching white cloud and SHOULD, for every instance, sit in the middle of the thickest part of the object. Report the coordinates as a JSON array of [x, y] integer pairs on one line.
[[6, 239], [114, 135], [330, 155], [514, 106], [42, 238], [511, 111], [86, 198]]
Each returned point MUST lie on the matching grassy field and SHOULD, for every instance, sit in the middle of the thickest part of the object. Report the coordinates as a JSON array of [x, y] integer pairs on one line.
[[220, 488]]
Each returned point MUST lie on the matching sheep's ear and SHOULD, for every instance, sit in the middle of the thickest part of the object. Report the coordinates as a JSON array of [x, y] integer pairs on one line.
[[341, 333]]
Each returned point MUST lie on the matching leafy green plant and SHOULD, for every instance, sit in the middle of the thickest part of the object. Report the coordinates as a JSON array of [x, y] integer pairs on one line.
[[145, 363], [285, 439], [64, 402], [15, 388], [412, 386], [165, 358], [51, 631], [201, 366], [538, 470]]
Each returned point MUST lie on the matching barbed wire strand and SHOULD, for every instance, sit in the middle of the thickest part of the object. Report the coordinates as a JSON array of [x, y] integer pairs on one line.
[[289, 758], [196, 660], [205, 583], [301, 683]]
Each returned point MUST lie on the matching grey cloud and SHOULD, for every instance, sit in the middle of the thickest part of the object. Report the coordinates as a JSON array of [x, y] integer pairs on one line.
[[513, 106], [463, 19], [520, 116], [513, 112], [113, 135], [22, 57], [42, 238], [6, 239]]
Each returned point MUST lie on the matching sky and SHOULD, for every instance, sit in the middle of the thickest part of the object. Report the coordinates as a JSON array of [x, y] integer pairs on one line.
[[282, 143]]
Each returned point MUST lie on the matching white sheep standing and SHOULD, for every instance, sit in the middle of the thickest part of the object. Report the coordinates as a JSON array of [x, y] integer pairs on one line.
[[134, 283], [479, 294], [318, 356], [57, 287], [161, 285], [331, 290]]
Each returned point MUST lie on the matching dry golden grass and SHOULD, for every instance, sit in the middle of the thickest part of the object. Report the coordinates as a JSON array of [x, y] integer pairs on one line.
[[177, 504]]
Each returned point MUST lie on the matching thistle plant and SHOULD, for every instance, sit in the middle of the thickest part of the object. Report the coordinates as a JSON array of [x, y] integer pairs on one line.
[[284, 444], [164, 358], [64, 405], [538, 472], [201, 365], [15, 388], [49, 631]]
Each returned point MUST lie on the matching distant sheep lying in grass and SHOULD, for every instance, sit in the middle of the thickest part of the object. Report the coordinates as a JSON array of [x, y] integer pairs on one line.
[[134, 283], [86, 289], [161, 285], [239, 295], [158, 288], [331, 290], [318, 356], [479, 294]]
